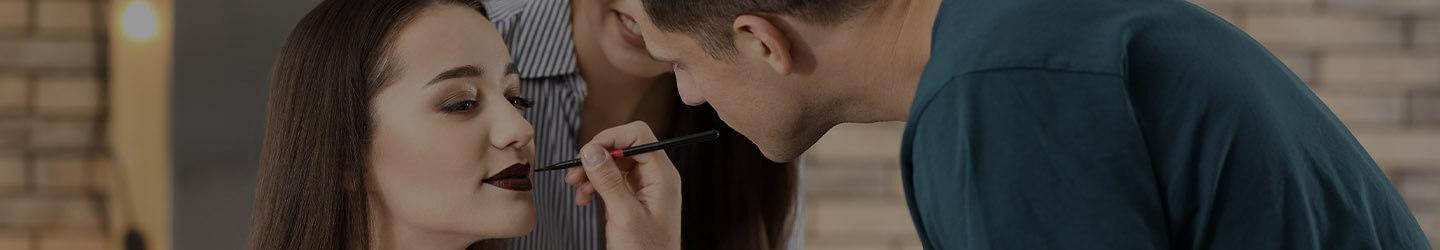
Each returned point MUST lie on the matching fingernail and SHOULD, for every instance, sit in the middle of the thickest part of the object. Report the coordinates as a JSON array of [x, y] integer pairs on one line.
[[593, 157]]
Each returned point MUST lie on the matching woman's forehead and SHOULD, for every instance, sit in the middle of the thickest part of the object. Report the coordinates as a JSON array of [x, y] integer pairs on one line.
[[445, 37]]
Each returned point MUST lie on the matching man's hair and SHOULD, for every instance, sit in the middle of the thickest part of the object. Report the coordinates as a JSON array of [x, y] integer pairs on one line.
[[709, 20]]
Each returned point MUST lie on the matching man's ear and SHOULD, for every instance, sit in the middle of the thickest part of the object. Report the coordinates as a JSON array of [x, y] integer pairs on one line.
[[758, 37]]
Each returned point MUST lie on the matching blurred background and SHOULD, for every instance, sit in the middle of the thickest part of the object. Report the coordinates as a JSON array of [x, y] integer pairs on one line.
[[145, 117]]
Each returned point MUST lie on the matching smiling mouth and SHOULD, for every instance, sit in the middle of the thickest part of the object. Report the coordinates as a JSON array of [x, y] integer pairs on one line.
[[630, 31], [516, 177]]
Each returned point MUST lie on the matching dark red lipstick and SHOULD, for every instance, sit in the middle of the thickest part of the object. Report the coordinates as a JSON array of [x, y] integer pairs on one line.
[[516, 177]]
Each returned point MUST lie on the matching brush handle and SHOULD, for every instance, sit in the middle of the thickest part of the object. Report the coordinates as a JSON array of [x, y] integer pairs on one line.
[[671, 143]]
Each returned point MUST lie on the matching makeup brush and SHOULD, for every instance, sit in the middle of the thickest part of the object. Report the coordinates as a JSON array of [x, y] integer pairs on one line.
[[617, 153]]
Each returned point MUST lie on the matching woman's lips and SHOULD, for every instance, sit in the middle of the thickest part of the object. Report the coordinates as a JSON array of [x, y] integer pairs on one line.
[[516, 177], [629, 30]]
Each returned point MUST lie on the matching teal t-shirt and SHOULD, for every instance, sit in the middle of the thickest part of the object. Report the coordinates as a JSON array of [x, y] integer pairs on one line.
[[1130, 124]]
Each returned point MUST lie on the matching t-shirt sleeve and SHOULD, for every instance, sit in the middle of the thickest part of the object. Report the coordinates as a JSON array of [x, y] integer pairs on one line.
[[1045, 159]]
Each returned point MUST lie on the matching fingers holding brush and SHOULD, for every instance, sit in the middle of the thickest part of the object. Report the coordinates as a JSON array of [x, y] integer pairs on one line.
[[584, 192], [641, 192]]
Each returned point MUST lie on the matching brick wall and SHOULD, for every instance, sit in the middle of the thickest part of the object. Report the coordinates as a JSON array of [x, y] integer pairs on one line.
[[1376, 63], [51, 106]]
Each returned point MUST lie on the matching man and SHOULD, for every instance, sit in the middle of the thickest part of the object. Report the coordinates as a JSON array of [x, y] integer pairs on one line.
[[577, 60], [1045, 124]]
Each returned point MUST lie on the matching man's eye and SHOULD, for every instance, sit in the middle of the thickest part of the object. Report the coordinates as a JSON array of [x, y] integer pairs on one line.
[[460, 107], [520, 102]]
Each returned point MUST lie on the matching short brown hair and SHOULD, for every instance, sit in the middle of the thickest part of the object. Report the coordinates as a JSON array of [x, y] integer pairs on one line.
[[709, 20], [310, 189]]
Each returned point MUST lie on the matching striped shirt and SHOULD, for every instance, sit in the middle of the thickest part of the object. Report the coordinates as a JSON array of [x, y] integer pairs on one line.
[[538, 35]]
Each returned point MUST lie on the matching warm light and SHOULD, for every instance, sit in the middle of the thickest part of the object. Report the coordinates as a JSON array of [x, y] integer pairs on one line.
[[138, 21]]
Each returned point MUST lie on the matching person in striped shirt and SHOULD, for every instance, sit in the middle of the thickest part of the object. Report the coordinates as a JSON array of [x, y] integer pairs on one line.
[[587, 70]]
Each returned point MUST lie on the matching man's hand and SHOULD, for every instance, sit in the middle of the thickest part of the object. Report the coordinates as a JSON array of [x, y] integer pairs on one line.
[[641, 192]]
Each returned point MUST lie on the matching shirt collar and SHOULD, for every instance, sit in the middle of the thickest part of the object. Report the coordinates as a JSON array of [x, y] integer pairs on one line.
[[541, 39]]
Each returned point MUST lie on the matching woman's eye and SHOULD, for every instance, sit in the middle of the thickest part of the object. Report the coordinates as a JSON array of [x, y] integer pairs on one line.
[[520, 102], [460, 107]]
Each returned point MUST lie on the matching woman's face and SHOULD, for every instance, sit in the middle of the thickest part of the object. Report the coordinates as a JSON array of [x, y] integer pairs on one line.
[[618, 36], [451, 152]]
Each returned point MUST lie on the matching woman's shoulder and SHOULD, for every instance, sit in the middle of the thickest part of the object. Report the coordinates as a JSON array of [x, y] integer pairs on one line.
[[504, 12]]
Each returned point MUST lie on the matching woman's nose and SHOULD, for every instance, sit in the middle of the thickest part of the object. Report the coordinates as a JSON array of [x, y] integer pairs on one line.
[[512, 131]]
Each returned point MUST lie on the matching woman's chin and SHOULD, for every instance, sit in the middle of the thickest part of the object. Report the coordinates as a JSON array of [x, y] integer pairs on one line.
[[498, 213], [515, 224], [635, 63]]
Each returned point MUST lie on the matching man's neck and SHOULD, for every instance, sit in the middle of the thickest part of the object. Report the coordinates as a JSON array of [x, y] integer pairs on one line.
[[900, 31]]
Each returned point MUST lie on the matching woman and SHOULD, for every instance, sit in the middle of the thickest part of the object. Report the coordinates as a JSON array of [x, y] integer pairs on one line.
[[587, 71], [395, 124]]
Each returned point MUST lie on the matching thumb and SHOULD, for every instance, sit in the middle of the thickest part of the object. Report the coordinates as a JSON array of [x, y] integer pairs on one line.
[[606, 178]]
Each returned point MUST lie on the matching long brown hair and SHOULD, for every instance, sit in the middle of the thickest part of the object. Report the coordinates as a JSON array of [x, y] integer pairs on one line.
[[310, 189], [734, 197]]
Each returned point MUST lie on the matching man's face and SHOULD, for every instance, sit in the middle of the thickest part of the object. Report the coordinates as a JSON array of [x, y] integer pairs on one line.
[[764, 105]]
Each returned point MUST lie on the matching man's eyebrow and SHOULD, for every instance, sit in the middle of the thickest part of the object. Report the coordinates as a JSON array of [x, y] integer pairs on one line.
[[456, 72], [510, 69]]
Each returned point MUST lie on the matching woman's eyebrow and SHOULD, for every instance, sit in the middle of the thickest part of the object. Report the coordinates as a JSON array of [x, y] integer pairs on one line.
[[457, 72]]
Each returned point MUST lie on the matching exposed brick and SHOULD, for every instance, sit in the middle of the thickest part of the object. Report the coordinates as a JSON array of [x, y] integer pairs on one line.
[[12, 170], [61, 171], [1230, 14], [27, 211], [1262, 3], [67, 95], [62, 135], [49, 211], [78, 214], [1429, 223], [1380, 70], [843, 244], [1427, 33], [861, 141], [13, 16], [14, 92], [1421, 189], [860, 219], [45, 53], [102, 174], [73, 241], [1425, 109], [1412, 149], [846, 181], [13, 134], [1365, 109], [1385, 6], [65, 17], [896, 183], [1303, 64], [15, 239], [1323, 30]]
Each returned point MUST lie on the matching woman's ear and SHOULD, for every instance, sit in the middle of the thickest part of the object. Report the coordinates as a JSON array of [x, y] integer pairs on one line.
[[757, 37]]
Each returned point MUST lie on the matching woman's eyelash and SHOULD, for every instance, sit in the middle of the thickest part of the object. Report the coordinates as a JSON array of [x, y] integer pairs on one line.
[[460, 107], [520, 102]]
